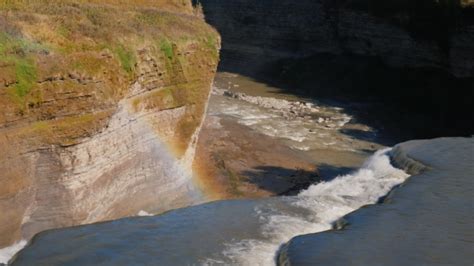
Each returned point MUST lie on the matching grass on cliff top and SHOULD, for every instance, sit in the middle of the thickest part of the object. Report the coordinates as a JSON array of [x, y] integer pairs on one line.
[[83, 25], [52, 48], [76, 26], [181, 6], [84, 30], [16, 52]]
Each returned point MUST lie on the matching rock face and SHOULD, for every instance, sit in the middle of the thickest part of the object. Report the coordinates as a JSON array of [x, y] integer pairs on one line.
[[101, 108], [412, 55], [259, 33]]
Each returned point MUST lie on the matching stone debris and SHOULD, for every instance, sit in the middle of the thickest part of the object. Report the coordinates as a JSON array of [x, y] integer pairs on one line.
[[288, 109]]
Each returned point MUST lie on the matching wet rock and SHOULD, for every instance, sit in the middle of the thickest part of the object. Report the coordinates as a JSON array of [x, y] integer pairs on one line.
[[287, 109]]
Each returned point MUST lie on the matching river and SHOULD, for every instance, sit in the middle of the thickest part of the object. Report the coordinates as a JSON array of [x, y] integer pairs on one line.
[[252, 231]]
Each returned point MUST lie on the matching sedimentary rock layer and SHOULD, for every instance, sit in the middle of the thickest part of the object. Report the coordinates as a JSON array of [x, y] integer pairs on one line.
[[257, 34], [101, 107], [415, 56]]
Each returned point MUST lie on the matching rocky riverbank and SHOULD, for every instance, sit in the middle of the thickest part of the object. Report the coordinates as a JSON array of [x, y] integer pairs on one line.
[[257, 142]]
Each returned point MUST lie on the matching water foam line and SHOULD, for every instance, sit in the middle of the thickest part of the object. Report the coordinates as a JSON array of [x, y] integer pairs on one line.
[[313, 210], [8, 252]]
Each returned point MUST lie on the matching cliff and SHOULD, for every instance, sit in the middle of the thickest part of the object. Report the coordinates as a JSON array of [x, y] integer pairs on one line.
[[101, 104], [400, 33], [397, 54]]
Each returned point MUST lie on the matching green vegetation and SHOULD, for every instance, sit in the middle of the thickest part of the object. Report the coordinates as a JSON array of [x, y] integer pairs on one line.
[[16, 51], [26, 77], [126, 57], [167, 48], [89, 49], [211, 43], [16, 46]]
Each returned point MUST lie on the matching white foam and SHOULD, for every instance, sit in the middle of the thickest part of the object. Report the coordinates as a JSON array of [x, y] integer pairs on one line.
[[314, 210], [7, 253], [300, 131], [144, 213]]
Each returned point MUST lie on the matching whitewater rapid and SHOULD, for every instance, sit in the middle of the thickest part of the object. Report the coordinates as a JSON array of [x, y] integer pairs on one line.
[[8, 252], [313, 210], [300, 125], [230, 232]]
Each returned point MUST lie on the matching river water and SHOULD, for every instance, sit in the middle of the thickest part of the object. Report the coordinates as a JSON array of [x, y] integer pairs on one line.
[[325, 132], [251, 232], [239, 232], [317, 130]]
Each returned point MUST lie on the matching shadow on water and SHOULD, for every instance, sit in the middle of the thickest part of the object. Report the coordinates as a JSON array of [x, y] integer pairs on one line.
[[289, 182], [369, 136], [359, 134], [329, 172], [281, 181], [401, 104]]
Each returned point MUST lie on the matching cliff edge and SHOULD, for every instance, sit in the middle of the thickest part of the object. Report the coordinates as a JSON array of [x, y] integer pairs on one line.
[[101, 105]]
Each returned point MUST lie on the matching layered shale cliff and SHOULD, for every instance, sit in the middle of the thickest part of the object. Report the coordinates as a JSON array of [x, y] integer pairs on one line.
[[415, 55], [401, 33], [101, 105]]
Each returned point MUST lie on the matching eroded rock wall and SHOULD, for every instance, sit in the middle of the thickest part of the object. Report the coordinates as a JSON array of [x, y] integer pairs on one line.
[[401, 34], [390, 55], [101, 107]]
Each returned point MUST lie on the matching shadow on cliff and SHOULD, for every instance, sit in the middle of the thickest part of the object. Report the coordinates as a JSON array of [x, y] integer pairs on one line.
[[401, 103], [283, 181]]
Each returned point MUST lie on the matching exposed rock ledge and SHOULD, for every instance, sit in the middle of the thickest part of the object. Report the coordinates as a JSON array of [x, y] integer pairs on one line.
[[427, 221], [101, 107]]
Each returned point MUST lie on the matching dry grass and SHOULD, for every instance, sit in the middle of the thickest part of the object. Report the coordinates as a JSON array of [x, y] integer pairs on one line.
[[181, 6], [81, 30], [91, 40]]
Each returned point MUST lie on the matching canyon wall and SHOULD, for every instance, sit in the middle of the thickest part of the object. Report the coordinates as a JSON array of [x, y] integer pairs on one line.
[[415, 56], [400, 33], [101, 107]]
